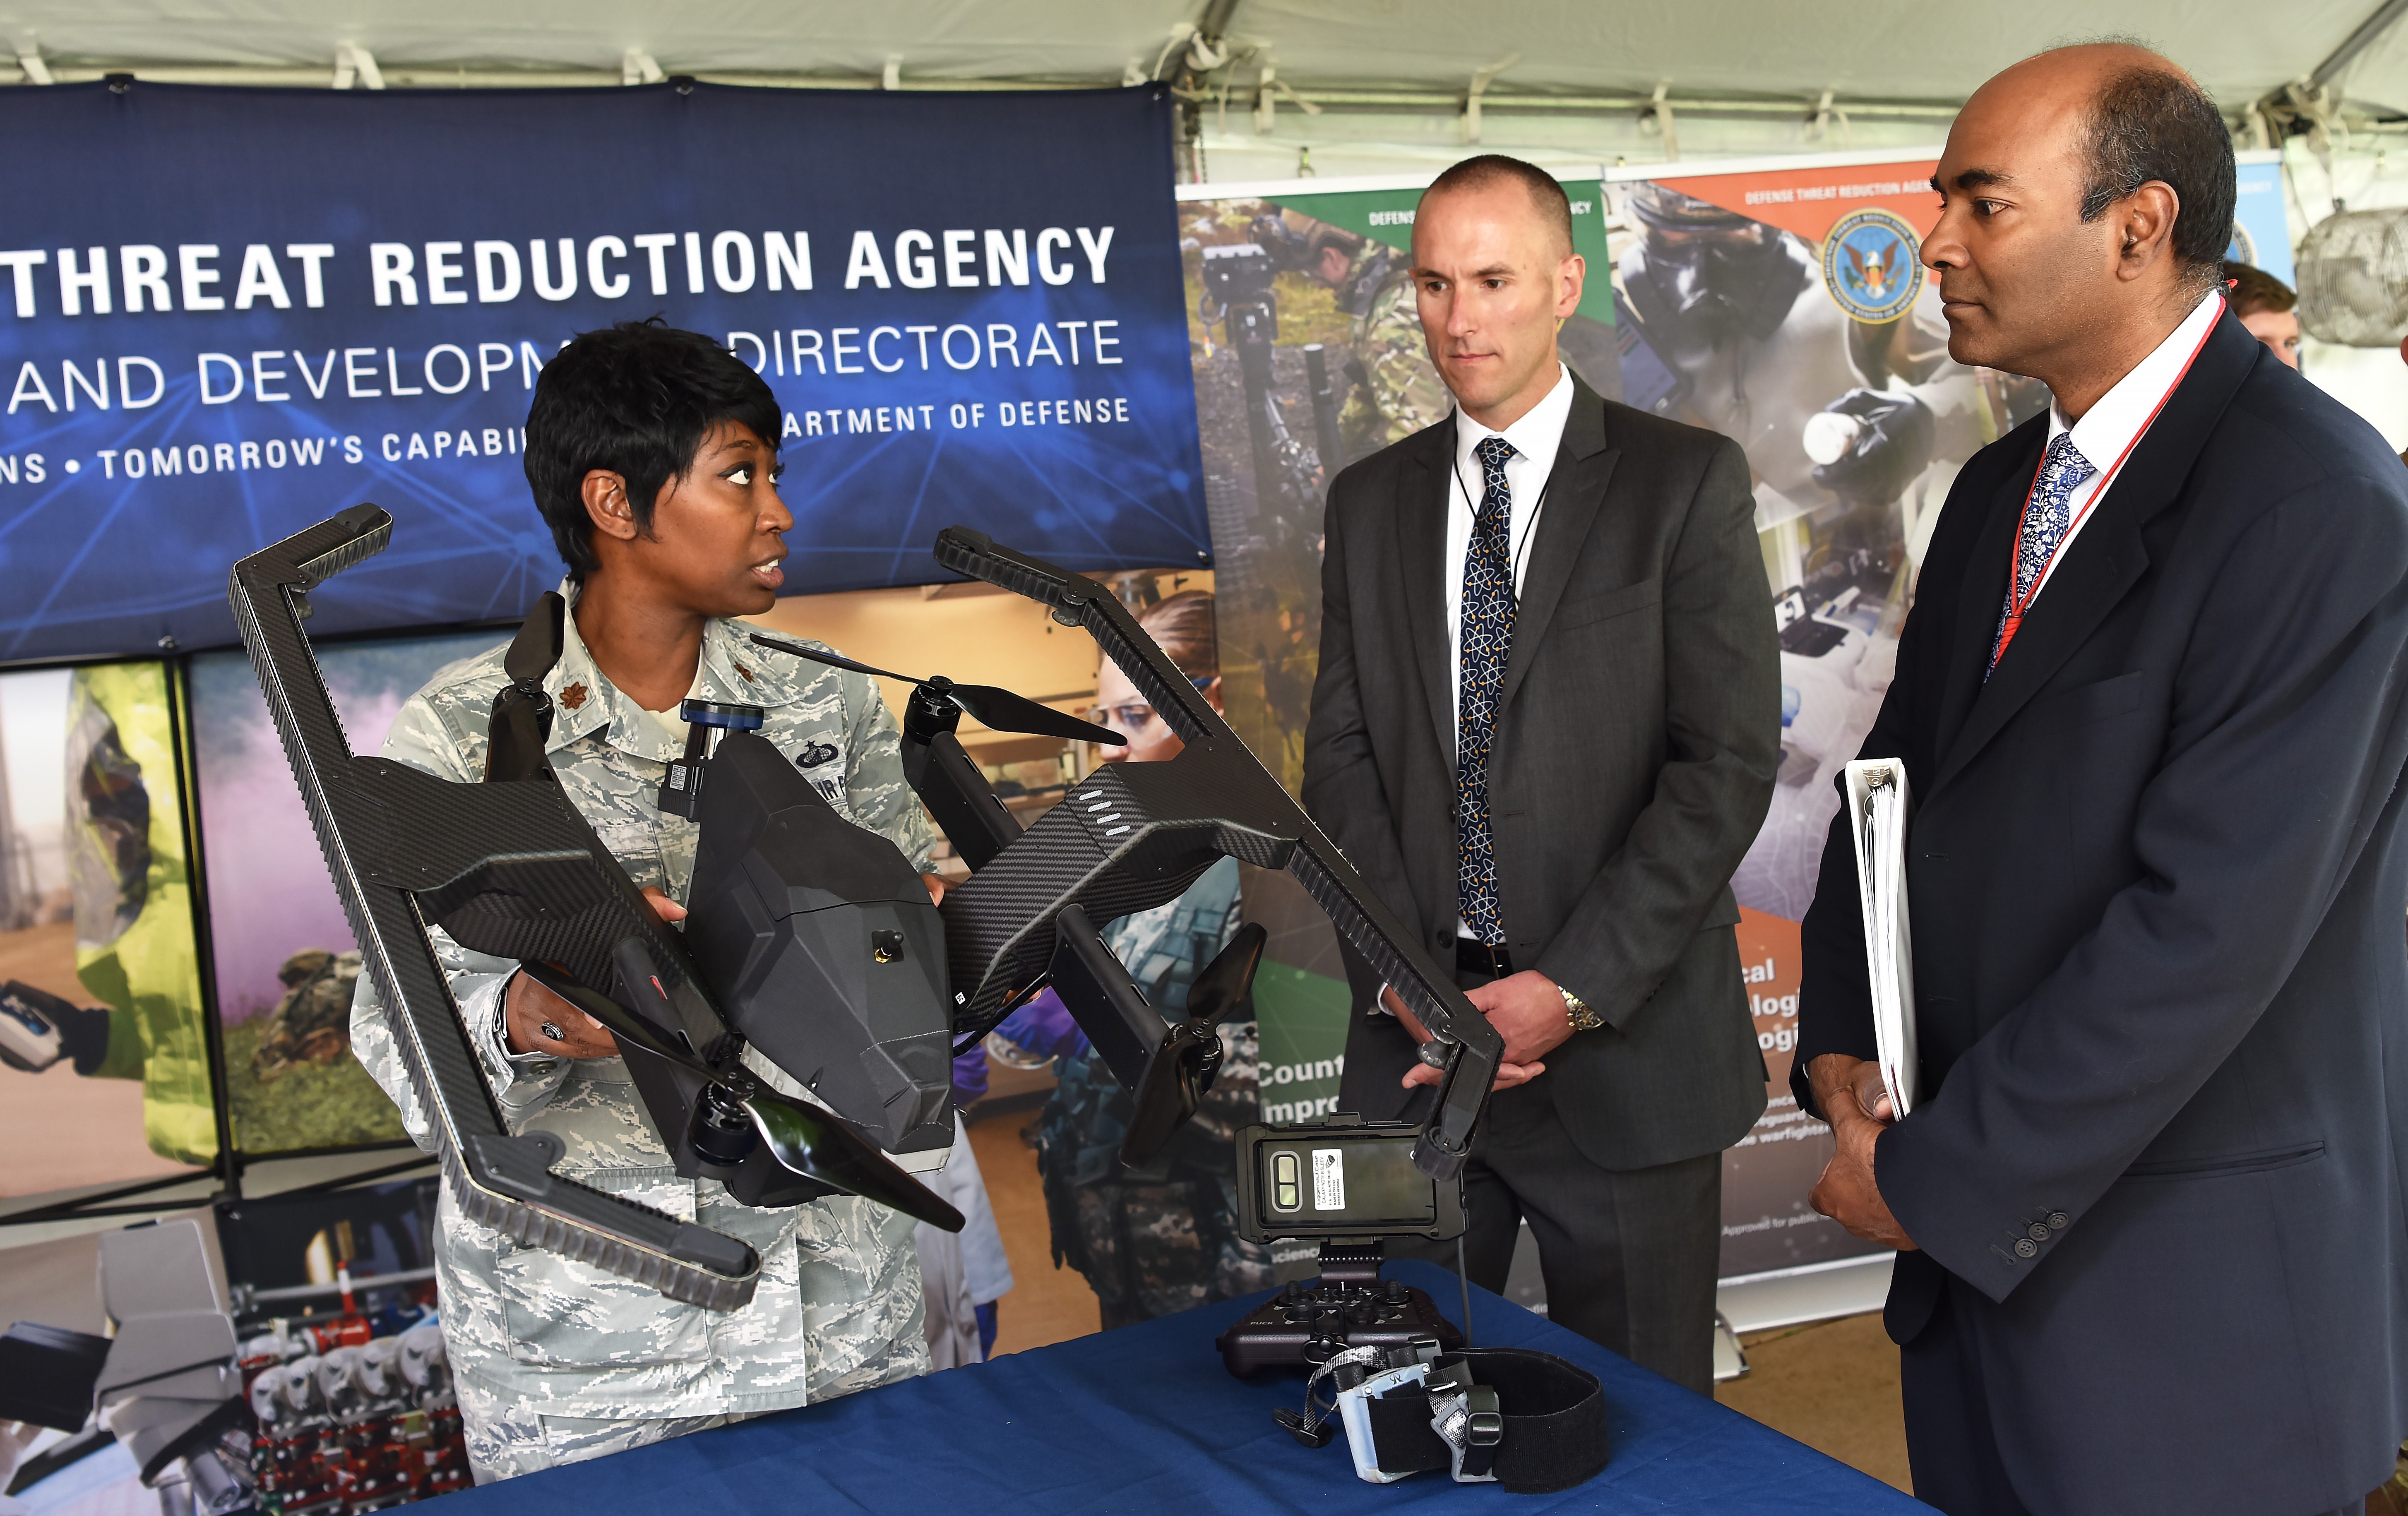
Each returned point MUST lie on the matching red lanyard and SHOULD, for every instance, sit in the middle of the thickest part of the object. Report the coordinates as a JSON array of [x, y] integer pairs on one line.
[[2017, 606]]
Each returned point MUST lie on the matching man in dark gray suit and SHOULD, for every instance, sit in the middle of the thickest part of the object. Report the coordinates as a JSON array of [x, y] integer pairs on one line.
[[1545, 729]]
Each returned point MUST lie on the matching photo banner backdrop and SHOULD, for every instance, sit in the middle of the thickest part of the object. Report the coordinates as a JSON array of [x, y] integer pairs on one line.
[[1765, 317], [286, 302], [1783, 306], [284, 959], [1306, 339], [96, 934]]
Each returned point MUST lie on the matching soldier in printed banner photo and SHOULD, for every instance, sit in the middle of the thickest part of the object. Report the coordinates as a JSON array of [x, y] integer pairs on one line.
[[1741, 313], [1833, 374], [652, 456], [1391, 390], [311, 1024], [1162, 1238]]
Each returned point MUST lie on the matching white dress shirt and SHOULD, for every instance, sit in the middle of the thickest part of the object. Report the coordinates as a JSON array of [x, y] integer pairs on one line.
[[2112, 426], [1535, 439]]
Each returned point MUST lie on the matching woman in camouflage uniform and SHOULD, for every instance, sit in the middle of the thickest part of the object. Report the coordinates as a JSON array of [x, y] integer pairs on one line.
[[1161, 1238], [652, 455]]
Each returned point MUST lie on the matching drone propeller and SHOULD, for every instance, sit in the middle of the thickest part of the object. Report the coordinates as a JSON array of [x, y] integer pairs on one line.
[[1224, 982], [999, 708], [542, 639], [804, 1139], [522, 715], [800, 1136], [622, 1023], [1183, 1067]]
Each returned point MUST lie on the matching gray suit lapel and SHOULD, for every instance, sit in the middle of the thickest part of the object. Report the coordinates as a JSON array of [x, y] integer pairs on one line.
[[1424, 483], [1575, 493]]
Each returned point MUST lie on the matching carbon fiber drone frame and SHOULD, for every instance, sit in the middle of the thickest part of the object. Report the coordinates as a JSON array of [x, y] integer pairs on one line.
[[509, 864], [1132, 836]]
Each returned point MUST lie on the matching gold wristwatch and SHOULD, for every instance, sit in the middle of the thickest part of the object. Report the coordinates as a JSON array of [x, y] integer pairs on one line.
[[1583, 1019]]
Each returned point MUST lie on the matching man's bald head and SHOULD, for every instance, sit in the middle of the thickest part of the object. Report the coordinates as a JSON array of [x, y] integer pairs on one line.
[[1489, 170], [2086, 202], [2140, 119]]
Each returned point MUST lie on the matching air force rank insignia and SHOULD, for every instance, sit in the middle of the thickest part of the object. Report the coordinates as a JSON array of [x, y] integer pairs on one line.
[[1870, 264]]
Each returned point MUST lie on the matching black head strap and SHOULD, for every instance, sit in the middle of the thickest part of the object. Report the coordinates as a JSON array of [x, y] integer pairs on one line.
[[1553, 1413]]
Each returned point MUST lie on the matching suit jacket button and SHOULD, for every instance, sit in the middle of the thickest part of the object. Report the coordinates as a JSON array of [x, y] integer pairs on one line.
[[2059, 1221], [2026, 1247], [2039, 1232]]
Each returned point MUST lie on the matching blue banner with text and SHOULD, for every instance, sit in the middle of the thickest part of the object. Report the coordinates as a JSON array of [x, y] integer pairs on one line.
[[232, 312]]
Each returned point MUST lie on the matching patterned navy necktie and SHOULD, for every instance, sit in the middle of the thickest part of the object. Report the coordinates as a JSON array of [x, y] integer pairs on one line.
[[2046, 517], [1486, 638]]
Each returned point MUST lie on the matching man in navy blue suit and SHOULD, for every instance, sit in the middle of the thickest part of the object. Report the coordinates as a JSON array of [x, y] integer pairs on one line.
[[2150, 702]]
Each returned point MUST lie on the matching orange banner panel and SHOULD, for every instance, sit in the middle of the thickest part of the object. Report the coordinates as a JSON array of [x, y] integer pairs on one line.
[[1809, 201]]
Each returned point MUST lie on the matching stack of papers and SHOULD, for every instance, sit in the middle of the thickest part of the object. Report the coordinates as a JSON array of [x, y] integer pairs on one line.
[[1877, 812]]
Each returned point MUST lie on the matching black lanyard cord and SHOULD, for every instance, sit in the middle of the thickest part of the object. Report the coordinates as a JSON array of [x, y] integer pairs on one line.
[[1529, 531]]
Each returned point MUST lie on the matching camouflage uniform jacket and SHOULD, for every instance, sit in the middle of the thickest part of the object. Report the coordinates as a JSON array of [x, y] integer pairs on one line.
[[839, 1304], [1395, 393]]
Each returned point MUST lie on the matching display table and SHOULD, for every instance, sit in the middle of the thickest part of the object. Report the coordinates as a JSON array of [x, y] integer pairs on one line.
[[1146, 1419]]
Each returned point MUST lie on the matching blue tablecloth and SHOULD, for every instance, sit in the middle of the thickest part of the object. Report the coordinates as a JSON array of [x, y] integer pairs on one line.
[[1146, 1419]]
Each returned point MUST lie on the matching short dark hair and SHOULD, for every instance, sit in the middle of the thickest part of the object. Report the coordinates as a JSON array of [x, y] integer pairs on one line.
[[1555, 207], [2152, 122], [2255, 290], [636, 399]]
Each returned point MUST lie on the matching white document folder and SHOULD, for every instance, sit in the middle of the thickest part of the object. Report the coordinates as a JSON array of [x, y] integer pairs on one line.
[[1877, 812]]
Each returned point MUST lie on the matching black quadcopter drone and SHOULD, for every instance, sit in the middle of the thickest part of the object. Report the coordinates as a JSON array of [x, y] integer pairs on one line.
[[809, 941]]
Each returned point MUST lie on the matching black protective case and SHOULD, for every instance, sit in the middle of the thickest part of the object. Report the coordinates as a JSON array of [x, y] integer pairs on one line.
[[1258, 1222]]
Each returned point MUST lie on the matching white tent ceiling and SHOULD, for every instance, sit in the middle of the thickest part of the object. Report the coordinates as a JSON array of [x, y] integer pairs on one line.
[[1912, 49]]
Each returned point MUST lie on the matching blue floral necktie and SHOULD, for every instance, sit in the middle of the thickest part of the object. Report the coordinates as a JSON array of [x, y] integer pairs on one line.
[[1486, 638], [2046, 519]]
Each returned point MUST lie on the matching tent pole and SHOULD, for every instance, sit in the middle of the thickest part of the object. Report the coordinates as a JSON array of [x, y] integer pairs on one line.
[[2357, 42]]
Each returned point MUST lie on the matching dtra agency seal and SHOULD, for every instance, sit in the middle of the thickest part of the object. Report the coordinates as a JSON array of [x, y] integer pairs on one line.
[[1869, 265]]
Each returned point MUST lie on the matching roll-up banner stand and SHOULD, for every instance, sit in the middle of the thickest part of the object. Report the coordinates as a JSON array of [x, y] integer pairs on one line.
[[1781, 303], [232, 312], [1777, 301], [283, 962], [104, 1054]]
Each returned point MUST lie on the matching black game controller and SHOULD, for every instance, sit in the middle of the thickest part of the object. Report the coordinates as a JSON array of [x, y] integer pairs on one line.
[[1350, 1305]]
